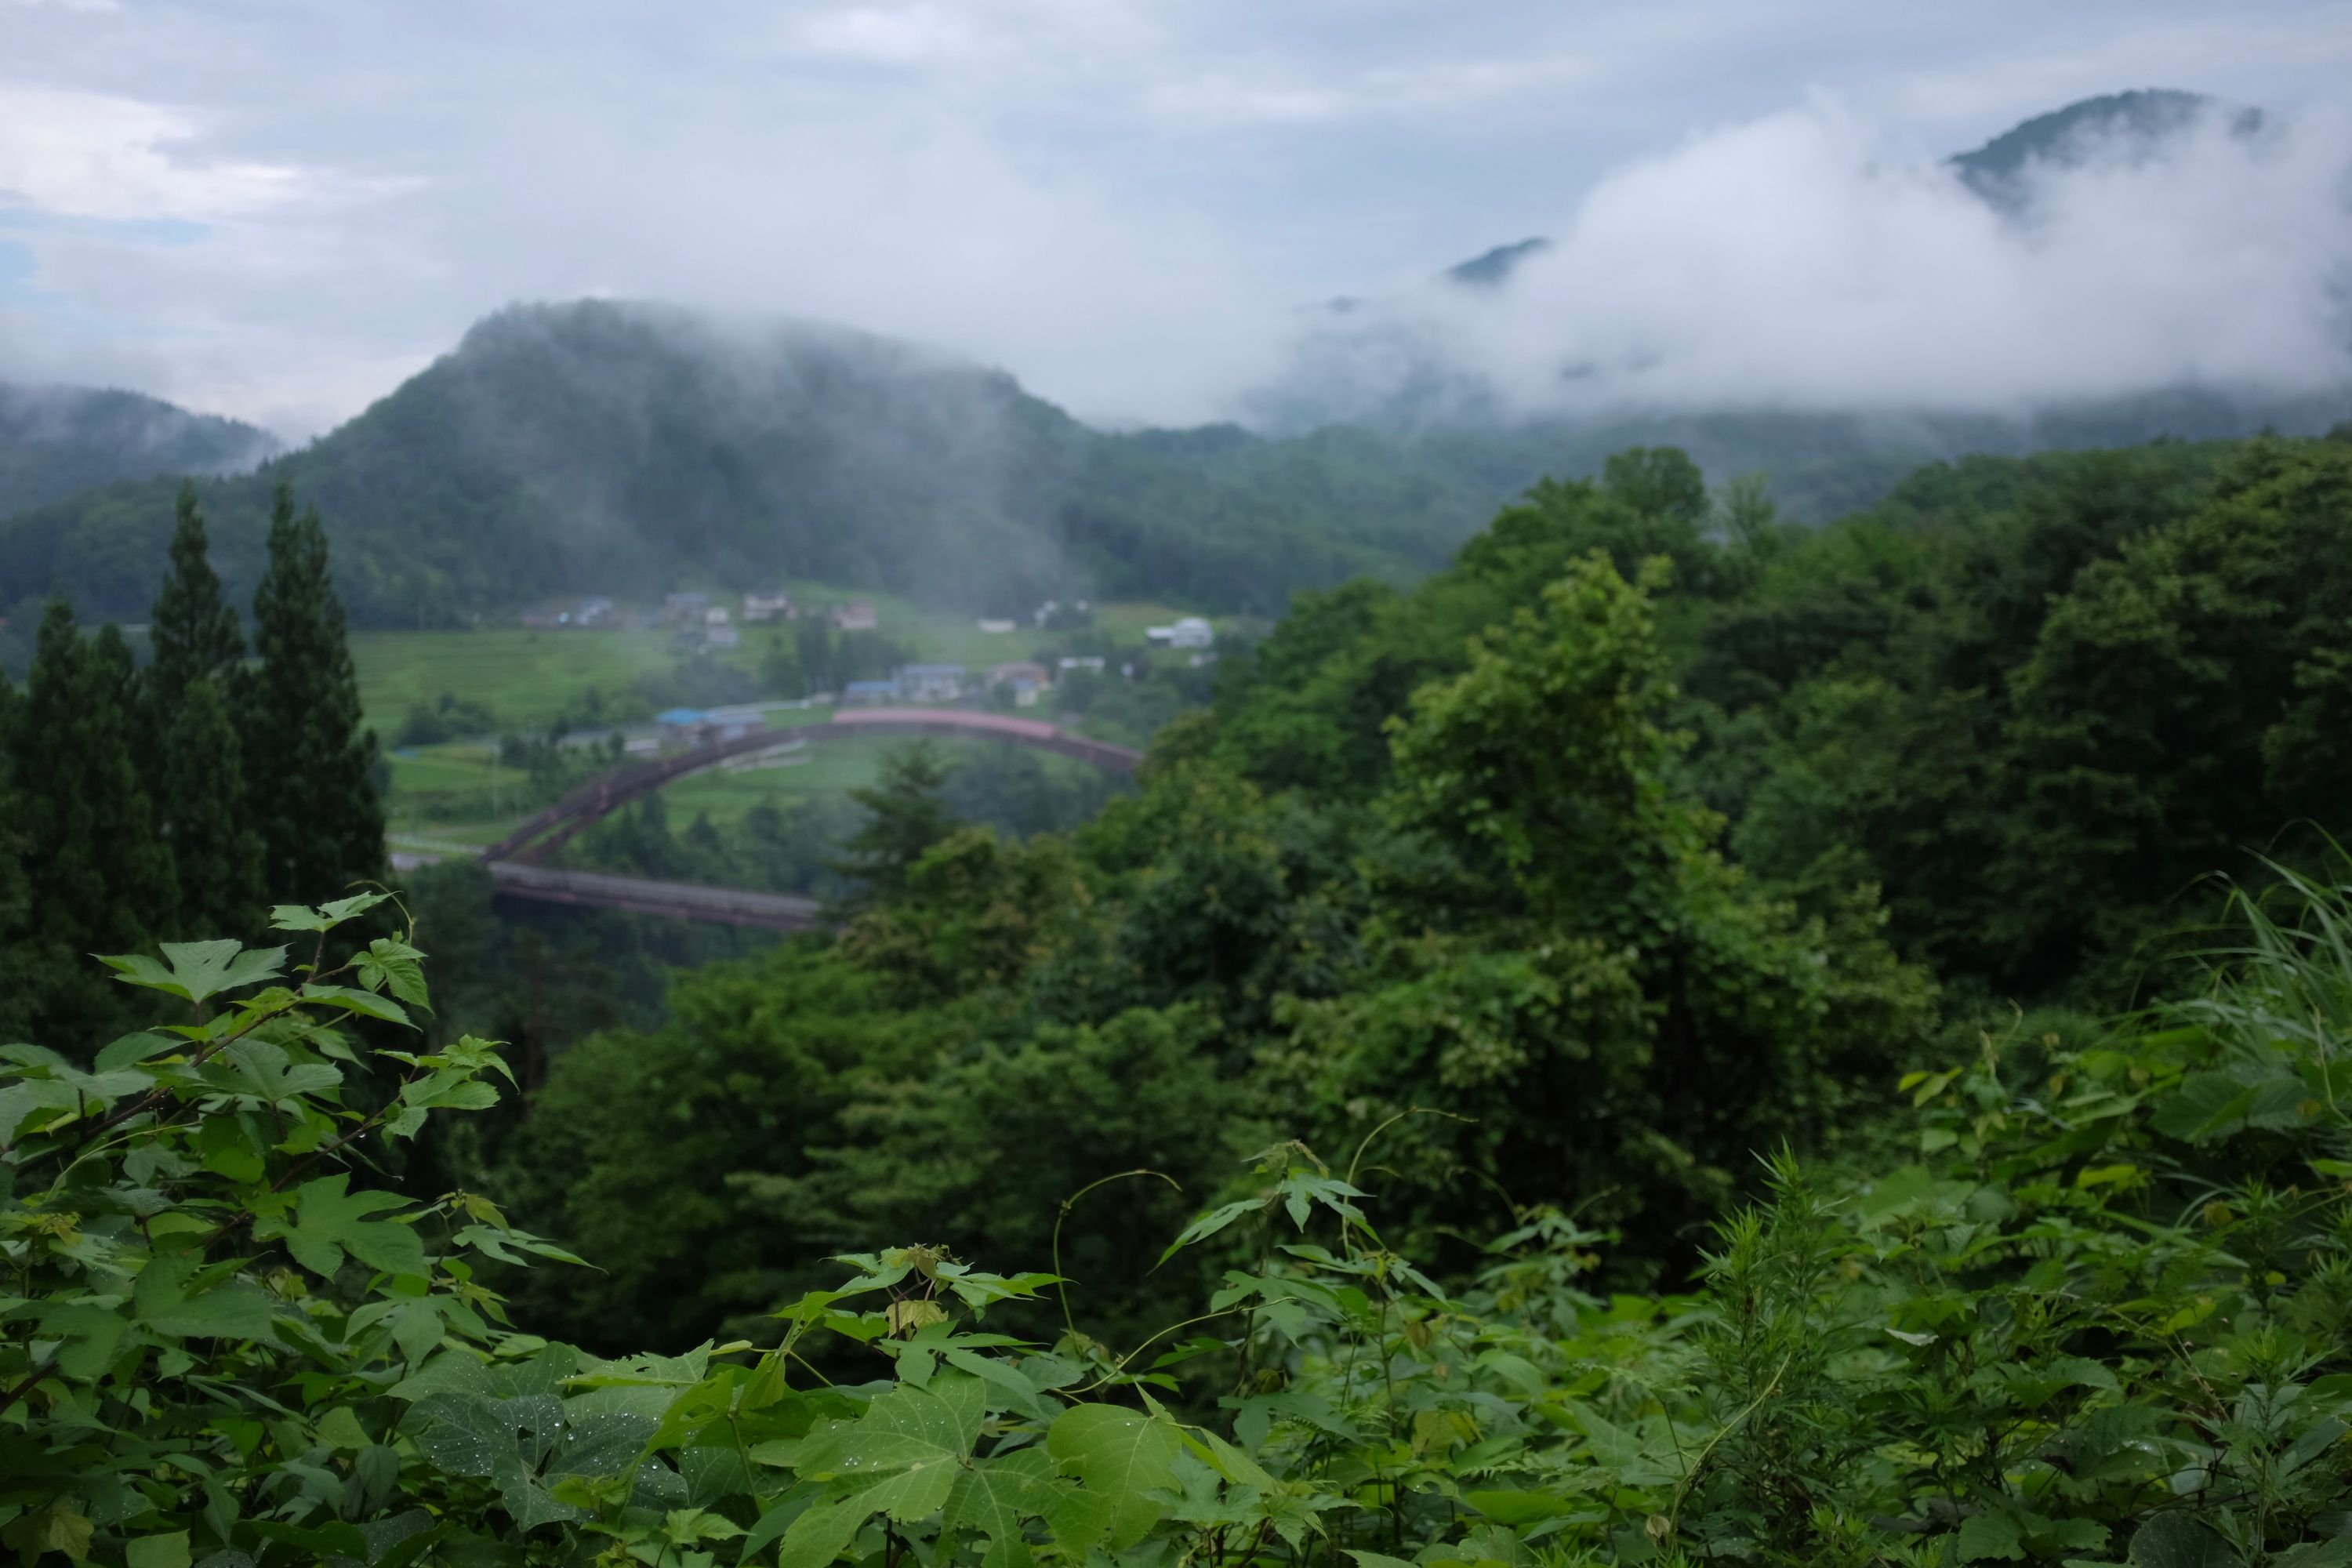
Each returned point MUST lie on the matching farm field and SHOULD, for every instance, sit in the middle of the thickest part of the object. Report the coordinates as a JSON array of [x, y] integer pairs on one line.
[[525, 677], [459, 794]]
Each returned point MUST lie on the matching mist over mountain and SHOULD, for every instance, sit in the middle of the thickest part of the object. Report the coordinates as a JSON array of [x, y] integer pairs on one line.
[[2143, 245], [1773, 298], [632, 448], [2134, 128], [55, 440]]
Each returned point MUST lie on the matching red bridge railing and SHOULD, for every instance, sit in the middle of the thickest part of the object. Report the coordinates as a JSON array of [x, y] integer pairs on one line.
[[538, 836]]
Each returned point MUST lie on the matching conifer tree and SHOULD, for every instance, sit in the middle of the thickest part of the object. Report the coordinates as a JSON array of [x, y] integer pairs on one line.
[[193, 628], [195, 772], [95, 872], [907, 813], [308, 770], [215, 848], [15, 900]]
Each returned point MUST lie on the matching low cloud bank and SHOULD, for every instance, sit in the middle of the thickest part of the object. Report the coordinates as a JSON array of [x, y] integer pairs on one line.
[[1799, 262]]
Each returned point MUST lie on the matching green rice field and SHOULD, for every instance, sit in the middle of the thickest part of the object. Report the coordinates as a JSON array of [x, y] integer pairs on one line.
[[457, 793], [525, 677]]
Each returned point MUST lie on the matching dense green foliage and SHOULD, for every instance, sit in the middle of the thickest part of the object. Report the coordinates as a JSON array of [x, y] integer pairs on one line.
[[143, 803], [2101, 1315], [1613, 950], [56, 440], [1646, 791]]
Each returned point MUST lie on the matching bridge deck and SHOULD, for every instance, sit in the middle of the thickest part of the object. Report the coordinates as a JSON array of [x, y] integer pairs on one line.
[[643, 895], [541, 832]]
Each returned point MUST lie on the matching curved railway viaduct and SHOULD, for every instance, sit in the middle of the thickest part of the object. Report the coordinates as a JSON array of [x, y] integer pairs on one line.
[[514, 861]]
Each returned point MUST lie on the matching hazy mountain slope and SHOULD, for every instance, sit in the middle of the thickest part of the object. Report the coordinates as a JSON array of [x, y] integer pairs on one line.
[[2127, 125], [56, 440], [627, 450], [630, 449]]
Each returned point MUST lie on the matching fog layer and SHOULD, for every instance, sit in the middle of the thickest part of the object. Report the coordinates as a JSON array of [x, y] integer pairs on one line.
[[1800, 262]]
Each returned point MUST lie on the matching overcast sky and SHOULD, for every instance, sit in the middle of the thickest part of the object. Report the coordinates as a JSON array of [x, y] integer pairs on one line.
[[278, 208]]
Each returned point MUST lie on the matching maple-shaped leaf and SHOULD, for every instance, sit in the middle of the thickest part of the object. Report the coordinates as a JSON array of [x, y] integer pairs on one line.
[[326, 917], [194, 971], [322, 1222]]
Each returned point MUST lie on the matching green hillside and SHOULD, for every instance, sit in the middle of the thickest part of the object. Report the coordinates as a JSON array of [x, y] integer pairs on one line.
[[56, 440], [631, 449]]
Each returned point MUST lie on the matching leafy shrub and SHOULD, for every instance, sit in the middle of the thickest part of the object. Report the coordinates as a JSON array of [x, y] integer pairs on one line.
[[2104, 1316]]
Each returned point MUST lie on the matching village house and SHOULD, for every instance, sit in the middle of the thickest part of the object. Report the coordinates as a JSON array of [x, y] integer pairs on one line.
[[759, 608], [931, 682], [1026, 680], [685, 607], [1190, 632], [863, 691], [856, 616], [683, 729]]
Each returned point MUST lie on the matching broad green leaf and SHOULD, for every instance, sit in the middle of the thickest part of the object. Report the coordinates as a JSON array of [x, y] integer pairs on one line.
[[324, 1221], [1119, 1455], [366, 1003], [911, 1441], [133, 1050], [1209, 1224], [326, 917], [1990, 1534], [2176, 1541], [158, 1551], [823, 1533], [341, 1429], [196, 971], [390, 964], [992, 1497]]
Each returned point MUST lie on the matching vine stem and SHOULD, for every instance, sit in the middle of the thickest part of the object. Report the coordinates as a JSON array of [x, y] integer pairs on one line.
[[1061, 1284]]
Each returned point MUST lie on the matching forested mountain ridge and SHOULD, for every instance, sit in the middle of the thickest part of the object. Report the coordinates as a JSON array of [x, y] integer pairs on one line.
[[56, 440], [629, 450], [2136, 125]]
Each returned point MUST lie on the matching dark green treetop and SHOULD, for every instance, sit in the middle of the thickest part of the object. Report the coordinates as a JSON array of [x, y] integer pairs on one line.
[[217, 855], [906, 815], [194, 629], [308, 768], [93, 869]]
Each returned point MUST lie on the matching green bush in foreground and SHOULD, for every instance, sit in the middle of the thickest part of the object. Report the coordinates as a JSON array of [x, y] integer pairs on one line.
[[2103, 1319]]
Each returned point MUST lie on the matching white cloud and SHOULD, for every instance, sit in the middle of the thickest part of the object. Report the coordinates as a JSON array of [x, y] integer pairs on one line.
[[1221, 99], [1118, 200], [1805, 260], [93, 155], [897, 36]]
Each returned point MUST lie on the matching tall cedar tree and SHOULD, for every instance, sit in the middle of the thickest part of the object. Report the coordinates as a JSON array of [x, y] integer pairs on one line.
[[197, 775], [308, 770], [193, 628], [16, 899], [94, 870], [215, 846]]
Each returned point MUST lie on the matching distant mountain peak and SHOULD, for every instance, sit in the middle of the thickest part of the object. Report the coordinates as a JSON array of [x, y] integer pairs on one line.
[[55, 440], [1495, 268], [2141, 122]]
